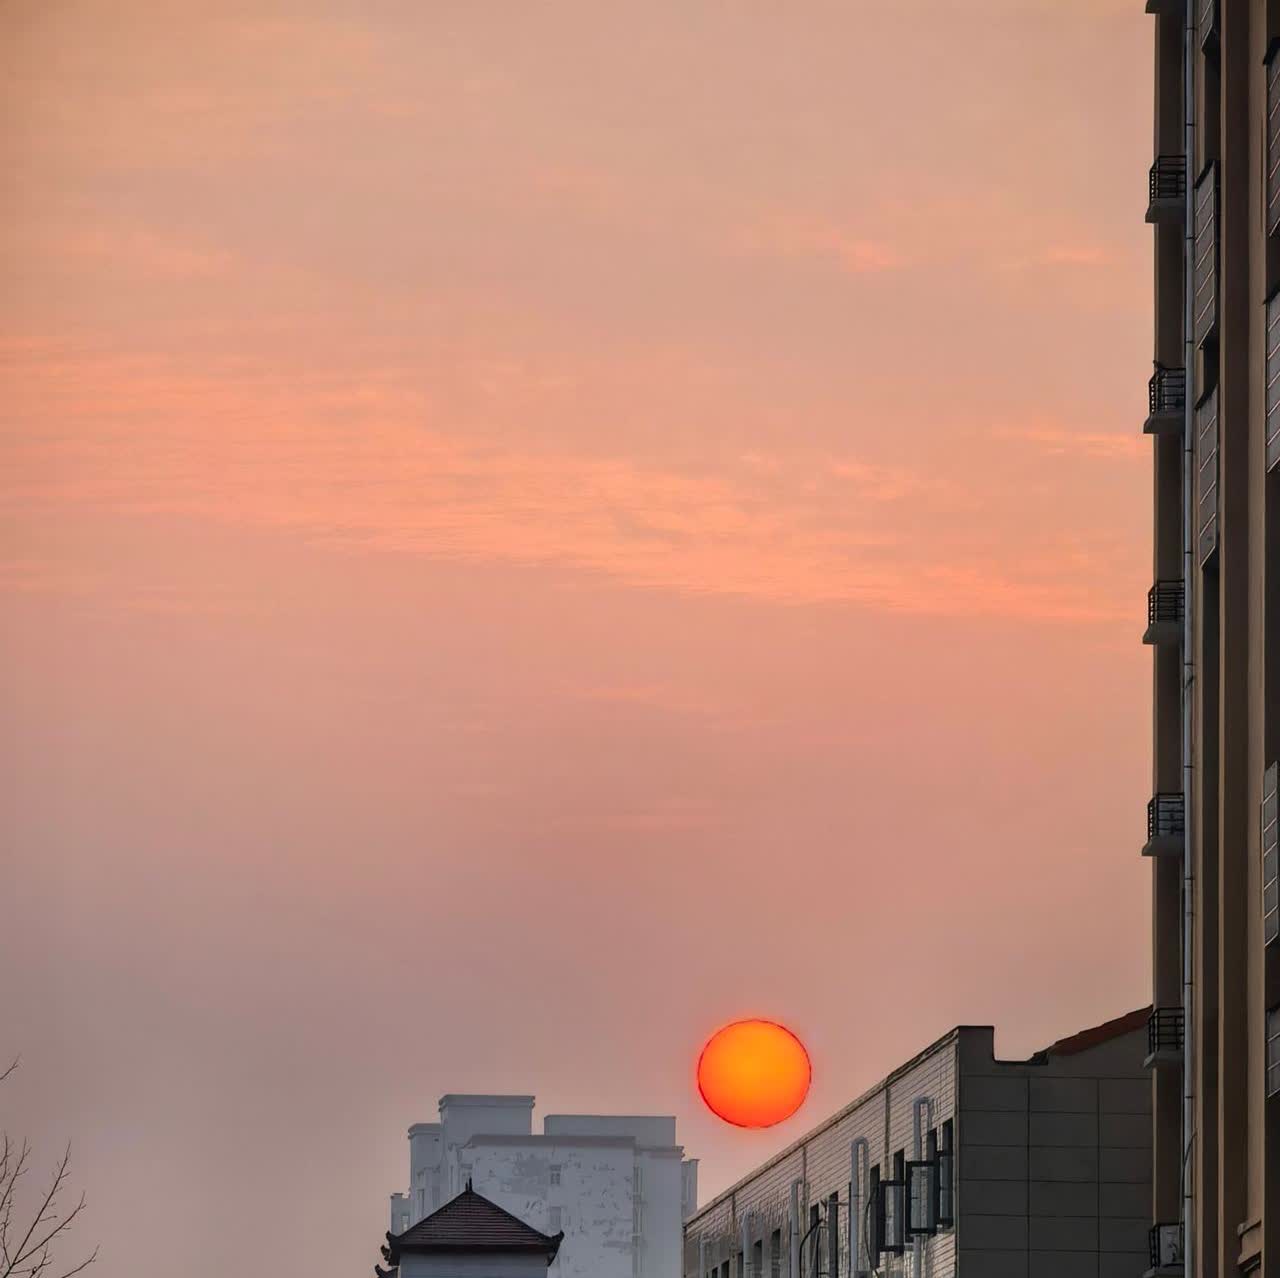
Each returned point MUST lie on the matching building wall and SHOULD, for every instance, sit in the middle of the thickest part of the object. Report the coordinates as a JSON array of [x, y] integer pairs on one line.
[[1233, 665], [592, 1203], [1052, 1168], [620, 1190], [446, 1265], [819, 1166]]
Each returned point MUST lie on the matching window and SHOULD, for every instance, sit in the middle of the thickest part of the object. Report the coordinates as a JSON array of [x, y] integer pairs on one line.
[[757, 1259], [1270, 855], [775, 1254], [1273, 1051], [944, 1215], [890, 1213], [555, 1173], [1273, 140], [1206, 462], [873, 1231], [813, 1239], [1204, 276], [1271, 395], [833, 1236], [922, 1198], [554, 1220]]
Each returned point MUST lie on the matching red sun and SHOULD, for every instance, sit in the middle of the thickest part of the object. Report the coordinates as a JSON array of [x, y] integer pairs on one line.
[[754, 1073]]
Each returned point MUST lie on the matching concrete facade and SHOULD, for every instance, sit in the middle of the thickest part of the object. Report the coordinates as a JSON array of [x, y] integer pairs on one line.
[[1216, 703], [1049, 1174], [616, 1185], [455, 1266]]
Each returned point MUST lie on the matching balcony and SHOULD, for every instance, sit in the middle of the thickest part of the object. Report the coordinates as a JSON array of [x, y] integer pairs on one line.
[[1166, 1251], [1164, 1038], [1166, 826], [1166, 402], [1164, 613], [1167, 189]]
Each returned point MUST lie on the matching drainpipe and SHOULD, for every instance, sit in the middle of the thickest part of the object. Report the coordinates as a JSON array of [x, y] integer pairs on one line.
[[1188, 653], [921, 1104], [795, 1228], [746, 1243], [857, 1180]]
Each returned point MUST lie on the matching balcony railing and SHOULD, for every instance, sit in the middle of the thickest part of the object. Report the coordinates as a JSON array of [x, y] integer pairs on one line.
[[1166, 1247], [1164, 1029], [1166, 815], [1164, 612], [1166, 401], [1167, 391], [1164, 602], [1167, 187]]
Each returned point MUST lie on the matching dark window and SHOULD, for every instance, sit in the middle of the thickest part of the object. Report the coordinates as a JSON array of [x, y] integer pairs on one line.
[[944, 1214], [1273, 1051], [1270, 855], [874, 1230], [775, 1254], [1273, 140], [833, 1236], [922, 1196], [1204, 272], [1271, 392], [1207, 474], [757, 1259], [891, 1210]]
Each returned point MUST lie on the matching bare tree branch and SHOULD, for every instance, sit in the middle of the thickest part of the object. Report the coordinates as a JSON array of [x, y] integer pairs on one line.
[[33, 1256]]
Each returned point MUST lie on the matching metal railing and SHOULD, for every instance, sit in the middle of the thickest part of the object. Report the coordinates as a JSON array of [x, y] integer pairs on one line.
[[1166, 1246], [1164, 1030], [1168, 178], [1164, 602], [1166, 815], [1167, 391]]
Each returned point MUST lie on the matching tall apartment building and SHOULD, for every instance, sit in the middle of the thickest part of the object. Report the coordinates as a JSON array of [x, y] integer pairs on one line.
[[617, 1186], [958, 1163], [1212, 622]]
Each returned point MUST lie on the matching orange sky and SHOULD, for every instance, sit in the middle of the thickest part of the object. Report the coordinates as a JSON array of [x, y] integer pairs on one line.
[[533, 531]]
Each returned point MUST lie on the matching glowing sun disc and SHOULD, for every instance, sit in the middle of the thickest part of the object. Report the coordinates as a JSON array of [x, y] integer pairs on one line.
[[754, 1073]]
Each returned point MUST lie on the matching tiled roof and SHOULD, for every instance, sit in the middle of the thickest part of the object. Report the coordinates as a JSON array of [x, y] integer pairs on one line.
[[470, 1222], [1097, 1034]]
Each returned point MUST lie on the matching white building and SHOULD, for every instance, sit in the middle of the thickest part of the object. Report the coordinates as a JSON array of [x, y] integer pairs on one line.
[[619, 1187]]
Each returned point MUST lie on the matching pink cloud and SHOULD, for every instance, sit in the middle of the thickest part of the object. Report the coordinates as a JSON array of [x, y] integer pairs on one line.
[[795, 235], [375, 467]]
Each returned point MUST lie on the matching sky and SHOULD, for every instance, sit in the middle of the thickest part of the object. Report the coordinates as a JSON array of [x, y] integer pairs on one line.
[[531, 532]]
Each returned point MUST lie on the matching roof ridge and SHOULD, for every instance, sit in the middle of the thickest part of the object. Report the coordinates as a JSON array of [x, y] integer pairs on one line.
[[471, 1222]]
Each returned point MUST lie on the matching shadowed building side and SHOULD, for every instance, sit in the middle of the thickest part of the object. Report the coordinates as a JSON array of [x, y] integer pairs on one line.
[[957, 1163]]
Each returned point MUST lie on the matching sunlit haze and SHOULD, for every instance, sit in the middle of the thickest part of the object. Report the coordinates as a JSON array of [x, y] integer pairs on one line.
[[535, 531]]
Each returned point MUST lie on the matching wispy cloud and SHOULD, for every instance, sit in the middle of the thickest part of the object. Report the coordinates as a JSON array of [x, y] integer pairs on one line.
[[139, 250], [800, 236], [1060, 441], [375, 466]]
